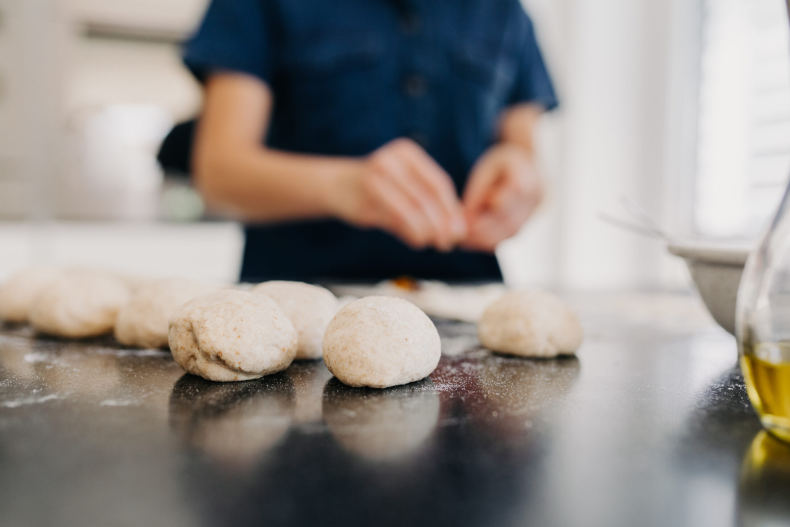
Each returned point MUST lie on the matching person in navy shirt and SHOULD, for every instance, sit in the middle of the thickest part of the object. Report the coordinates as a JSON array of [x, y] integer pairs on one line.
[[367, 139]]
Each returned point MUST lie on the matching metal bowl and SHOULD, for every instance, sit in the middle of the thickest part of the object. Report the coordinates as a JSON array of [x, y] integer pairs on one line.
[[716, 271]]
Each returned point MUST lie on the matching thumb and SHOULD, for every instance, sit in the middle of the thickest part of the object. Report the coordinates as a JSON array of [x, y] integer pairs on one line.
[[482, 180]]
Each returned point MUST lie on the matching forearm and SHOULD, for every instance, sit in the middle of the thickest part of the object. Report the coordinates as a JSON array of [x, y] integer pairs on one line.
[[236, 174], [517, 126], [260, 184]]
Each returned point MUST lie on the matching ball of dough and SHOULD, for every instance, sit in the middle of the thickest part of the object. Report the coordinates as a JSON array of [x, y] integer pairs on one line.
[[530, 324], [144, 320], [232, 335], [310, 309], [134, 282], [20, 290], [381, 341], [79, 304]]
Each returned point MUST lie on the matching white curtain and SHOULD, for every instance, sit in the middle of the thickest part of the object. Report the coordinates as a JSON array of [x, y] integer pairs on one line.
[[627, 78]]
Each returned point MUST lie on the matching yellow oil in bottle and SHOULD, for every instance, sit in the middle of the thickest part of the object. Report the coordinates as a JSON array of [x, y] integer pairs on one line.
[[766, 370]]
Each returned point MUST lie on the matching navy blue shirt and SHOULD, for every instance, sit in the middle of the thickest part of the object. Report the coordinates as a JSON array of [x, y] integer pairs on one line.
[[351, 75]]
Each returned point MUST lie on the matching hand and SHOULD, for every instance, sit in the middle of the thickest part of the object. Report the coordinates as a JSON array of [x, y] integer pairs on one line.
[[502, 193], [401, 189]]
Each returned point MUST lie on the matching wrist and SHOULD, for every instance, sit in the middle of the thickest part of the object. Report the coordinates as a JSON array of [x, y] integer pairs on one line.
[[515, 147], [337, 190]]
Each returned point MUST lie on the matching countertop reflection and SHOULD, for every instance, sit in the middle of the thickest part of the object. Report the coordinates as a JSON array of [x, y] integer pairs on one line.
[[649, 426]]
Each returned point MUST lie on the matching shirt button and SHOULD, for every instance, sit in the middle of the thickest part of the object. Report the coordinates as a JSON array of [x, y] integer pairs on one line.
[[415, 85]]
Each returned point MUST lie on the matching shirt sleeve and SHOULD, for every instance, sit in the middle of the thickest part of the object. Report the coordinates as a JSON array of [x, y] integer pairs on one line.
[[533, 82], [234, 35]]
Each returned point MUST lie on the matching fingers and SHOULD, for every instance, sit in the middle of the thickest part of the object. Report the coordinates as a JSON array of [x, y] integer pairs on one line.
[[489, 230], [521, 184], [517, 199], [437, 184], [502, 221], [427, 187], [499, 196], [503, 192], [401, 216], [482, 179], [399, 175], [509, 211], [415, 199]]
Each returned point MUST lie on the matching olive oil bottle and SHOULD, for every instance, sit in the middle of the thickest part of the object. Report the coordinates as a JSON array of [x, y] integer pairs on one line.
[[763, 323]]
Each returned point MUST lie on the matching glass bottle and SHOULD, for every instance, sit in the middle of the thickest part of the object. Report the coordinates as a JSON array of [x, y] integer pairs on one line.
[[763, 324]]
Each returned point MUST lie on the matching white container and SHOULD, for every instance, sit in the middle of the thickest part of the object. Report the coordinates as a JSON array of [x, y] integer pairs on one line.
[[716, 271]]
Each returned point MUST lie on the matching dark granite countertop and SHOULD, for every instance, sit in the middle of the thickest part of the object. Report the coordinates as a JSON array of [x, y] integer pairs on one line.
[[649, 426]]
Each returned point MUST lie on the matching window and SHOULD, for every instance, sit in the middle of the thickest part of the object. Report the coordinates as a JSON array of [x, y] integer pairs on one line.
[[743, 154]]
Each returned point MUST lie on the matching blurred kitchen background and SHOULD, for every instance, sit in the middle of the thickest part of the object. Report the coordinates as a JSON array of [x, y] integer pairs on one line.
[[679, 108]]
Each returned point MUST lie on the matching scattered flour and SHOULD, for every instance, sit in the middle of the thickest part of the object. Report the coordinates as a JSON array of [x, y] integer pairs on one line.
[[119, 402], [134, 352], [25, 401], [41, 356]]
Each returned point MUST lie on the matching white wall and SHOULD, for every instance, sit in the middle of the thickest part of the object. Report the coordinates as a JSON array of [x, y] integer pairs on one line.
[[171, 16], [613, 64], [30, 69]]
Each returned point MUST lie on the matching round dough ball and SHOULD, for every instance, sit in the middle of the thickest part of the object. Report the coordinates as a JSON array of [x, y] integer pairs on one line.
[[310, 309], [380, 342], [21, 289], [79, 304], [144, 320], [232, 335], [134, 282], [530, 324]]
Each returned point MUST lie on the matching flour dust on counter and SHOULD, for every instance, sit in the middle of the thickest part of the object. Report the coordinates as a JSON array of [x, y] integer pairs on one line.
[[49, 372]]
